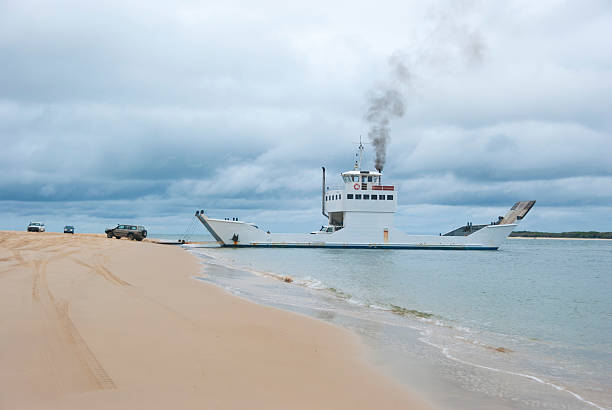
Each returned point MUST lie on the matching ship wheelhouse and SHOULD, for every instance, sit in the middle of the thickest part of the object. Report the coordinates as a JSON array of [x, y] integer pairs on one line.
[[361, 200]]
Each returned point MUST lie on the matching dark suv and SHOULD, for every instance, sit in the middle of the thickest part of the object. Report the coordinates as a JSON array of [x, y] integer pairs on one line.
[[127, 231]]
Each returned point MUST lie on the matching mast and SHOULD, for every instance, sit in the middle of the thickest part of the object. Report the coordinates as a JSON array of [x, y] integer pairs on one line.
[[359, 156], [323, 194], [360, 153]]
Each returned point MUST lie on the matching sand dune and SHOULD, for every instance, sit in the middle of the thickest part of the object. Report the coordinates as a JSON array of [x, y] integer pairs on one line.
[[97, 323]]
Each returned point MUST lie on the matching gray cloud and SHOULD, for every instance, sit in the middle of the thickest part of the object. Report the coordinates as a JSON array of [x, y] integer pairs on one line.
[[519, 151], [152, 110]]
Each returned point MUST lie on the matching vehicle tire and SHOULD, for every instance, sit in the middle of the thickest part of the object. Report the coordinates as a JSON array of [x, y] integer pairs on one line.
[[108, 235], [130, 237], [117, 237], [139, 239]]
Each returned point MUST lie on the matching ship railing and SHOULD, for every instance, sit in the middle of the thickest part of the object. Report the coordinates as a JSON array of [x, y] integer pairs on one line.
[[374, 187]]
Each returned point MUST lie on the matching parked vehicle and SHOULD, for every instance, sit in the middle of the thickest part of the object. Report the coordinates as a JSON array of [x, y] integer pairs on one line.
[[68, 229], [127, 231], [36, 227]]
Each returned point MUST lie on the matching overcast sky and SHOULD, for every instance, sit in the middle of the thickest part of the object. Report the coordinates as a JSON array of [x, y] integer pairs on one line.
[[144, 111]]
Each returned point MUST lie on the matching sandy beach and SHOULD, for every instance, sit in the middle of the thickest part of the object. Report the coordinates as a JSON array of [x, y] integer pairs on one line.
[[97, 323]]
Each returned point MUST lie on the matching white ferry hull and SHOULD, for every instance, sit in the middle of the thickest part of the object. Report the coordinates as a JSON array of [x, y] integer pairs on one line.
[[360, 214], [242, 234]]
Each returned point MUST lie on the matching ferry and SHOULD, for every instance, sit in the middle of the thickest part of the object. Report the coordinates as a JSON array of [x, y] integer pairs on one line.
[[360, 214]]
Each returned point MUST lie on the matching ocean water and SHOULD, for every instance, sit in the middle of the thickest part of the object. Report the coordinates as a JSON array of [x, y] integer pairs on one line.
[[528, 326]]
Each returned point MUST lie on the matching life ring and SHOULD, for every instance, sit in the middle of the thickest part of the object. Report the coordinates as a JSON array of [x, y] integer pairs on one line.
[[356, 186]]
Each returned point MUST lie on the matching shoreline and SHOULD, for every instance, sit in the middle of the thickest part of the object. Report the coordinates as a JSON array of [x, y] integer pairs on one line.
[[98, 323], [397, 360]]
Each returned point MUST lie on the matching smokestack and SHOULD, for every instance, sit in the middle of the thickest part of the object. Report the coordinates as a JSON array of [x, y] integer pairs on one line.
[[323, 194]]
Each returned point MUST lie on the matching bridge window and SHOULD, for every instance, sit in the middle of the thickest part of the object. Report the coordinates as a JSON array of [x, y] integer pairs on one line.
[[370, 178], [374, 196], [357, 196], [364, 178], [355, 178], [340, 196], [366, 196], [390, 197], [376, 180], [349, 196]]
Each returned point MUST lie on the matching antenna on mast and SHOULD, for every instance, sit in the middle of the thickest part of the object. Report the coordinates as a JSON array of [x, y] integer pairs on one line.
[[360, 152], [359, 155]]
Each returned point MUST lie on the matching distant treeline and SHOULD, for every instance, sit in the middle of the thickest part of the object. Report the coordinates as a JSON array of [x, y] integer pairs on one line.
[[590, 234]]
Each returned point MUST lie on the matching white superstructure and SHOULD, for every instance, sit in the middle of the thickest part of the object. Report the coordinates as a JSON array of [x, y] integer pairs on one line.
[[360, 214]]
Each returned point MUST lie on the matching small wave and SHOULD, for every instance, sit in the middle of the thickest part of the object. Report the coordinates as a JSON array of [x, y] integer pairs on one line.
[[229, 289], [233, 290], [358, 302], [499, 349], [311, 283], [376, 306], [402, 311], [448, 355], [230, 263], [463, 329], [339, 293]]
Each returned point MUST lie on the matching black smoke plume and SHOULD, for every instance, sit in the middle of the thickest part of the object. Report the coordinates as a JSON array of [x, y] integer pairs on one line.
[[450, 40], [385, 103]]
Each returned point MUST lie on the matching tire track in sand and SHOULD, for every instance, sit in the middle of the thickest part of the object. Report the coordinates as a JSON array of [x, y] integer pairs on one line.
[[10, 268], [99, 269], [65, 343], [103, 380], [17, 255], [20, 263]]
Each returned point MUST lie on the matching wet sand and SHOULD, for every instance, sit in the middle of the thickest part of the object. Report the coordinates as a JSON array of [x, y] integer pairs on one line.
[[97, 323]]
